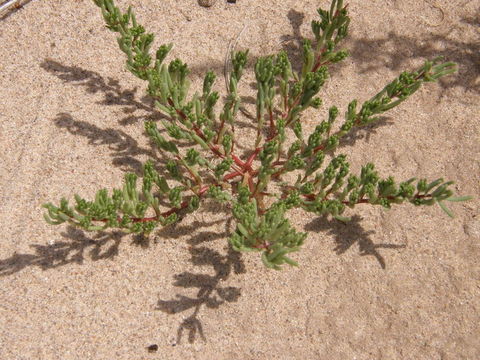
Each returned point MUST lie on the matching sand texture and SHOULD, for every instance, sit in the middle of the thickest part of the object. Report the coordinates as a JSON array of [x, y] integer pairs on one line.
[[397, 284]]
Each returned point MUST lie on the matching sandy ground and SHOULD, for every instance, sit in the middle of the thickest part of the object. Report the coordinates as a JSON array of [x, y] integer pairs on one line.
[[398, 284]]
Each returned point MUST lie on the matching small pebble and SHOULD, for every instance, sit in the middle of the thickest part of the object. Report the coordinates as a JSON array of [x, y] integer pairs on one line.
[[152, 348], [207, 3]]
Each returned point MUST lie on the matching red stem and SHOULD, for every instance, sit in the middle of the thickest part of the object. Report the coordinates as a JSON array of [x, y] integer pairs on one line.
[[232, 175], [272, 124], [248, 164], [246, 167], [318, 148], [238, 161], [199, 132]]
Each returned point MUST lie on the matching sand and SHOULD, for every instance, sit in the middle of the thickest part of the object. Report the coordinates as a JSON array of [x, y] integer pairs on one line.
[[398, 284]]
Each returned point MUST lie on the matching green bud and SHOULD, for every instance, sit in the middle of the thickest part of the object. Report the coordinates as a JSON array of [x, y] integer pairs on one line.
[[339, 56], [216, 193], [239, 60], [308, 57], [294, 148], [332, 143], [307, 188], [243, 194], [292, 200], [294, 163], [175, 196], [316, 163], [227, 143], [223, 167], [297, 129], [387, 187], [192, 157], [172, 168], [332, 114], [193, 203], [264, 69], [406, 189], [208, 83], [316, 103]]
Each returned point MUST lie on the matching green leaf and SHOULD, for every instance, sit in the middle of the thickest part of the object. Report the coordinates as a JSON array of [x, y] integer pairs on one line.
[[243, 230], [343, 219], [289, 261], [459, 198], [446, 209]]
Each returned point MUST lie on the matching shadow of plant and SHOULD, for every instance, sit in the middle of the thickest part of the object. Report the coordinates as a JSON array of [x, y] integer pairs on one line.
[[79, 245], [394, 51], [73, 250], [292, 43], [113, 93], [346, 235], [124, 148], [210, 291], [465, 54]]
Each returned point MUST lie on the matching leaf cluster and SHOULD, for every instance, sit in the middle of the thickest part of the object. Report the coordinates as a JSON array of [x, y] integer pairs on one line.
[[210, 167]]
